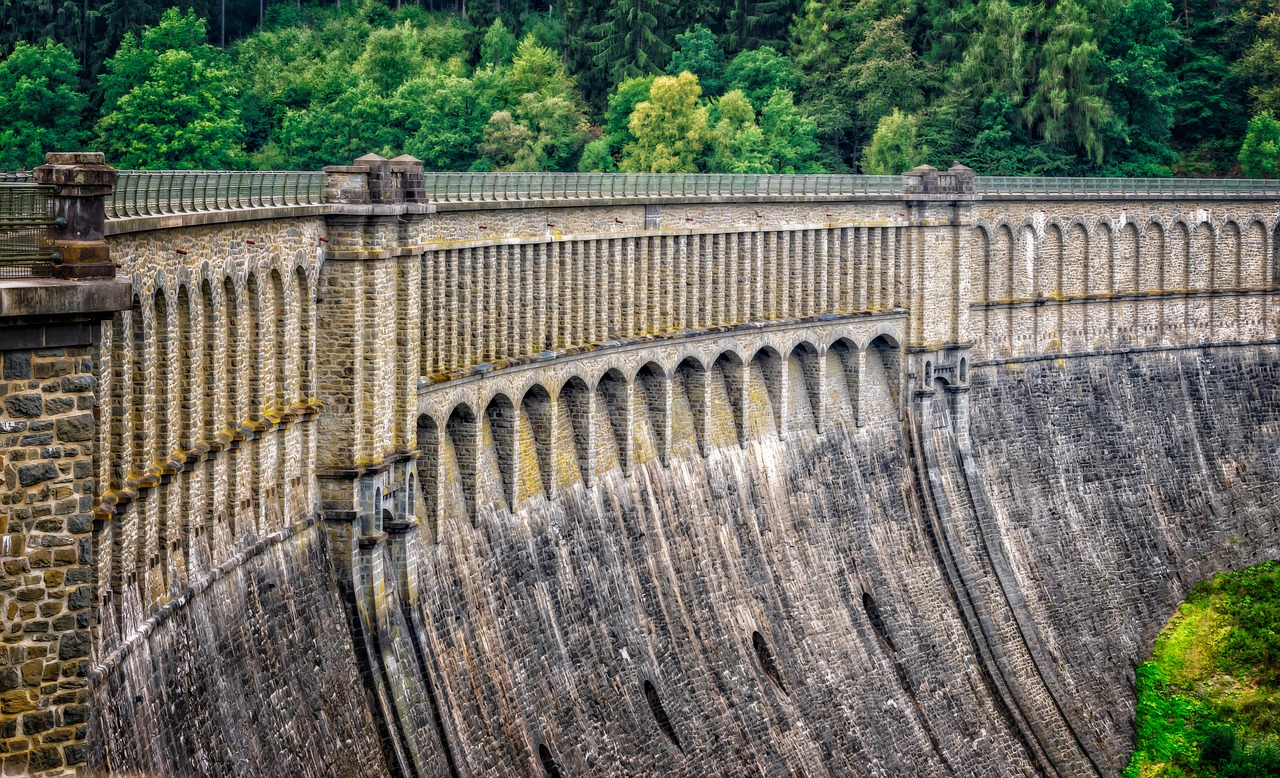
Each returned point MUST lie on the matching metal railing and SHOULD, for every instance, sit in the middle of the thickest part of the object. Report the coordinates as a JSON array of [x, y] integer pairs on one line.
[[168, 192], [1030, 186], [507, 187], [26, 230]]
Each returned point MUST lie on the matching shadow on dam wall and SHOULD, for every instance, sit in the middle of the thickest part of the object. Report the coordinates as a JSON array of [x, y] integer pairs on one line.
[[892, 599]]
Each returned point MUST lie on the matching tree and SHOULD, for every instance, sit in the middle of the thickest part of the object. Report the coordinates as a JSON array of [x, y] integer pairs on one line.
[[451, 114], [1260, 152], [1260, 66], [759, 72], [40, 108], [630, 40], [622, 103], [894, 147], [790, 136], [697, 52], [670, 128], [168, 101], [737, 143], [885, 73], [597, 158], [498, 46], [390, 58], [1137, 53], [752, 24]]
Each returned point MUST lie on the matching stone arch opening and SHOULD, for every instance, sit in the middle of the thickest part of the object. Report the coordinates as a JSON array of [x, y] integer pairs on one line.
[[253, 347], [730, 375], [764, 392], [652, 415], [187, 344], [804, 389], [137, 408], [231, 354], [844, 371], [209, 351], [280, 319], [549, 766], [500, 423], [304, 312], [576, 400], [880, 388], [689, 408], [463, 430], [539, 411], [614, 395], [167, 396]]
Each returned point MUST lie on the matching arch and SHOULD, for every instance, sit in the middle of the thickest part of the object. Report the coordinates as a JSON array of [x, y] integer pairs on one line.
[[162, 372], [281, 320], [1076, 262], [306, 312], [1023, 266], [577, 400], [1001, 275], [982, 262], [209, 326], [537, 407], [844, 365], [613, 393], [253, 347], [1177, 277], [1100, 270], [501, 422], [653, 414], [765, 377], [1253, 266], [1202, 269], [1151, 263], [121, 440], [804, 388], [881, 375], [1049, 263], [729, 375], [137, 407], [689, 408], [1128, 261], [1227, 267], [463, 429], [188, 351], [232, 345]]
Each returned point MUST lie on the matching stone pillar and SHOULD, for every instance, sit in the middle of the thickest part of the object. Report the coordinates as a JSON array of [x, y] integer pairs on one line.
[[83, 180], [941, 214], [51, 335]]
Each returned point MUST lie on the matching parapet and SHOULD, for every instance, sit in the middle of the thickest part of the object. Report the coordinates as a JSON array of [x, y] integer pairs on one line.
[[375, 180], [928, 180]]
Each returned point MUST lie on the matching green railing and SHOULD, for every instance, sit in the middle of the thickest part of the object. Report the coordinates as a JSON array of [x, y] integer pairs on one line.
[[169, 192], [26, 229], [507, 187], [1029, 186]]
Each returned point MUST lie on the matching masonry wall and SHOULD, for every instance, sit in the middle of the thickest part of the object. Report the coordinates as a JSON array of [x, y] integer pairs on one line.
[[48, 412]]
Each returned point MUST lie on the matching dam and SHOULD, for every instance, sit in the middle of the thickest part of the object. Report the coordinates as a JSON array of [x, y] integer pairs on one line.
[[382, 472]]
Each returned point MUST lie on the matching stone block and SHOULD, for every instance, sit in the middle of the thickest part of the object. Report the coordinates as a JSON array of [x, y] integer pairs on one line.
[[17, 365], [24, 406], [75, 429]]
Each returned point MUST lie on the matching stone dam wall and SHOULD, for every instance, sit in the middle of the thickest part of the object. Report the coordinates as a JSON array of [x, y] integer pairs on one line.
[[849, 485]]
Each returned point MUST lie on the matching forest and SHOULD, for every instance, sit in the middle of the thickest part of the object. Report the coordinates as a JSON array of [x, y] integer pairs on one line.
[[1009, 87]]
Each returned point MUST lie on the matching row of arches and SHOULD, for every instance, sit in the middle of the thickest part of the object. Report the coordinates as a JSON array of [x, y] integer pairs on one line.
[[206, 376], [508, 444], [496, 303], [1021, 262]]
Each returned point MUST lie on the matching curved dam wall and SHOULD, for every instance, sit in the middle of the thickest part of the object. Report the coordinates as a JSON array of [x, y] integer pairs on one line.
[[855, 483], [935, 596]]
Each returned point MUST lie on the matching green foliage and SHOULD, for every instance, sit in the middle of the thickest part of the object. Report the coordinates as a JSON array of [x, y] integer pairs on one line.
[[631, 41], [1260, 152], [1137, 58], [894, 147], [790, 136], [622, 103], [40, 107], [1210, 674], [499, 45], [737, 143], [597, 157], [670, 128], [390, 58], [169, 103], [759, 72], [697, 52]]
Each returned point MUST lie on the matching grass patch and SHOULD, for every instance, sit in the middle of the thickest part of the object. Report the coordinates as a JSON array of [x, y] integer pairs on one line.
[[1209, 697]]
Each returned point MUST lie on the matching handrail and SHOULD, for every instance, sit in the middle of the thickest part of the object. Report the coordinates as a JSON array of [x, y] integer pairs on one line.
[[26, 229], [170, 192]]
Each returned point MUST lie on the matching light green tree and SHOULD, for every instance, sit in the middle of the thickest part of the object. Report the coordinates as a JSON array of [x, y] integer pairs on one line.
[[40, 107], [758, 72], [499, 44], [170, 107], [670, 128], [737, 143], [790, 136], [697, 52], [391, 57], [1260, 152], [894, 147]]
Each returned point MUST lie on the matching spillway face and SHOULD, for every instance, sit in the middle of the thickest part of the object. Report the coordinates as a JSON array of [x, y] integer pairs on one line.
[[962, 585]]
